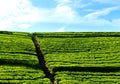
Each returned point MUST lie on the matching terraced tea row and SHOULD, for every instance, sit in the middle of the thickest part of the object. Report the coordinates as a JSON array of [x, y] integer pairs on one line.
[[67, 77], [77, 34], [93, 44], [20, 68], [94, 51], [83, 59], [15, 43]]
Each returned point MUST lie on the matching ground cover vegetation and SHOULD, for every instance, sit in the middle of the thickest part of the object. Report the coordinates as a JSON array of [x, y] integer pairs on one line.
[[74, 57]]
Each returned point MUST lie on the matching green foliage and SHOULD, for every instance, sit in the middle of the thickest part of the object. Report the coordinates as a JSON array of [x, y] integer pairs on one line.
[[77, 34], [87, 53], [6, 32], [75, 57], [18, 61], [67, 77]]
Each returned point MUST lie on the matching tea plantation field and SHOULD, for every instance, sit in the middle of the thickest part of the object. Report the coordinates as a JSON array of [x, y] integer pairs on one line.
[[18, 61], [74, 57]]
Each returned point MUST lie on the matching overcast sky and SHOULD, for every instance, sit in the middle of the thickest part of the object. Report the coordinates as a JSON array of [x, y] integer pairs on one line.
[[60, 15]]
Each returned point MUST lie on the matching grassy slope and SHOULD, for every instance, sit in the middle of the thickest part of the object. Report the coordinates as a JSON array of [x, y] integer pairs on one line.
[[74, 57]]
